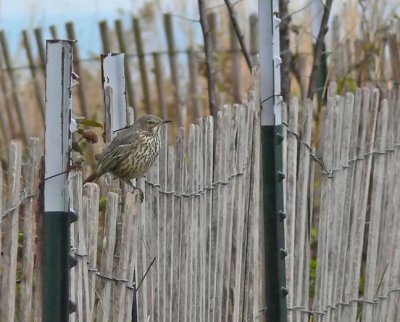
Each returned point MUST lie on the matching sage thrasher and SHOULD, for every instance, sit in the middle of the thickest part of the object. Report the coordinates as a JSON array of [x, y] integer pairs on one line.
[[132, 151]]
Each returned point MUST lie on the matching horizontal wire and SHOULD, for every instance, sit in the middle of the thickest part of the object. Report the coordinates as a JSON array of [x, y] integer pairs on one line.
[[374, 301], [331, 171], [214, 185], [112, 278]]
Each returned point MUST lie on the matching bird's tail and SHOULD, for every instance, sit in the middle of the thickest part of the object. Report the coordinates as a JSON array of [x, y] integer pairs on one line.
[[91, 178]]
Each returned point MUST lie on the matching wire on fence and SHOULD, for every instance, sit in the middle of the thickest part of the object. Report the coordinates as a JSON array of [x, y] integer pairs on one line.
[[113, 278], [376, 300], [321, 163]]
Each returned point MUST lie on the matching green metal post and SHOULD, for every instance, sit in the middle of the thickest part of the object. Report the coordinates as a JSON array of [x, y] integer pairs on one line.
[[57, 262], [273, 176]]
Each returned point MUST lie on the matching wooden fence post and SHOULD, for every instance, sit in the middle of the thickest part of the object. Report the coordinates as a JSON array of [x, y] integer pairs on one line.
[[193, 83], [29, 229], [32, 68], [236, 70], [69, 26], [40, 46], [169, 32], [53, 31], [128, 78], [158, 71], [10, 225], [14, 87], [56, 241], [104, 36], [142, 64]]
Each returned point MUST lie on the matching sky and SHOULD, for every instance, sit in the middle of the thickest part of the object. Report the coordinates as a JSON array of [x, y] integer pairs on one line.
[[17, 15]]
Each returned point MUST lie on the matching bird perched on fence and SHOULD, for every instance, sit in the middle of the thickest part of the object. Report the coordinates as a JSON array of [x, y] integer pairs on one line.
[[132, 151]]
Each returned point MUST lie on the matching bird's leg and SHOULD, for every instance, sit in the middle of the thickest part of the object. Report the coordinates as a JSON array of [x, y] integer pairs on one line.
[[141, 194]]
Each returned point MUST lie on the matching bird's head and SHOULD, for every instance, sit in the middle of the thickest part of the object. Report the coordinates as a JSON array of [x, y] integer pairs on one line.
[[151, 123]]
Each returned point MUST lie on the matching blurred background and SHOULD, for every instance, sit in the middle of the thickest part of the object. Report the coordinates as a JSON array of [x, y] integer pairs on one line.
[[165, 61]]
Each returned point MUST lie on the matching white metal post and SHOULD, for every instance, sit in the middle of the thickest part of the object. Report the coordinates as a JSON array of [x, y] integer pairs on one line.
[[56, 218], [58, 119]]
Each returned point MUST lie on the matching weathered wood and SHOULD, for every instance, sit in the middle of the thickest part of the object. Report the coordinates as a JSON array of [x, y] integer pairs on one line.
[[344, 187], [171, 238], [256, 278], [232, 178], [104, 36], [1, 221], [202, 222], [131, 300], [69, 26], [253, 35], [128, 78], [300, 263], [122, 270], [29, 229], [291, 186], [142, 65], [326, 192], [90, 213], [236, 74], [79, 277], [176, 280], [32, 68], [169, 33], [332, 228], [220, 174], [53, 31], [40, 46], [394, 252], [158, 73], [10, 218], [372, 275], [238, 215], [5, 132], [8, 118], [193, 83], [350, 191], [14, 87], [104, 309], [192, 219], [388, 221]]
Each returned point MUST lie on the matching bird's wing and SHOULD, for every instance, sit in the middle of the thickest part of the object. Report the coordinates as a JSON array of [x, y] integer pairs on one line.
[[117, 150]]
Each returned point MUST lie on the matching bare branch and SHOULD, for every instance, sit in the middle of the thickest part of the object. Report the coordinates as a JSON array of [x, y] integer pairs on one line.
[[239, 33], [319, 45], [209, 58]]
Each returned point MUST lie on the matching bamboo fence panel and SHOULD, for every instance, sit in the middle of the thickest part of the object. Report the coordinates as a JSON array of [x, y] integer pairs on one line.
[[193, 250]]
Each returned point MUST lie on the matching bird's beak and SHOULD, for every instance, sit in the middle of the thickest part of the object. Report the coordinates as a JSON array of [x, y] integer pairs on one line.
[[166, 121]]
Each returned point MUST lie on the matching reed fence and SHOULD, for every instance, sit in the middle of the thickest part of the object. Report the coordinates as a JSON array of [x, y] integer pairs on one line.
[[193, 251], [190, 252], [341, 203]]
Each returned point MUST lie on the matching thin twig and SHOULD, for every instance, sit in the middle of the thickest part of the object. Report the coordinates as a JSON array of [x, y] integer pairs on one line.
[[319, 45], [209, 58], [239, 34]]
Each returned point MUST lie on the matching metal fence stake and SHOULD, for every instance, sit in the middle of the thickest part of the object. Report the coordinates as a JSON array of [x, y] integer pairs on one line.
[[271, 140], [56, 242]]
